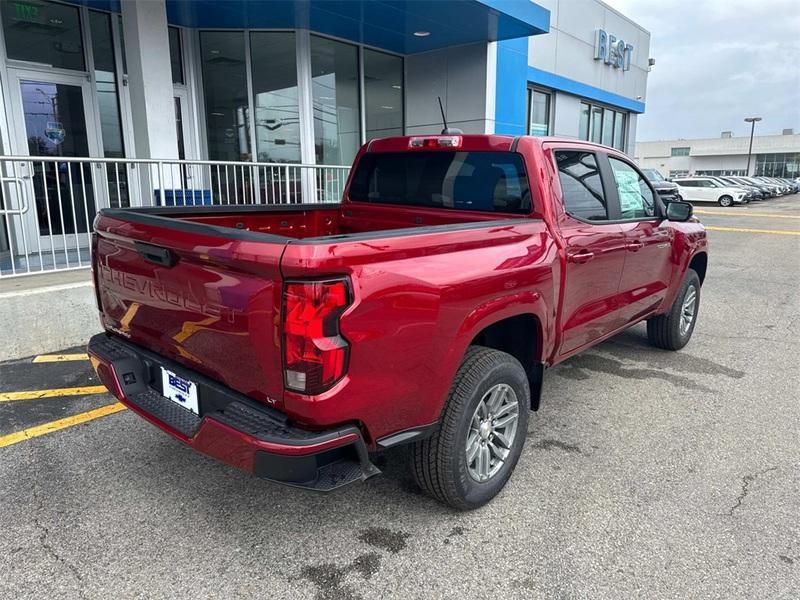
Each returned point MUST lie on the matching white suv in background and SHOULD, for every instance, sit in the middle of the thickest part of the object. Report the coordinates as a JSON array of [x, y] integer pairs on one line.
[[706, 189]]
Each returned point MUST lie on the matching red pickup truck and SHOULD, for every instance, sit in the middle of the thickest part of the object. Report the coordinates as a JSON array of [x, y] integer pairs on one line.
[[293, 341]]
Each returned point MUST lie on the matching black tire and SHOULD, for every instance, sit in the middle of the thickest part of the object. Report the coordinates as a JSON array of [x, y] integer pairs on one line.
[[439, 463], [664, 331], [725, 201]]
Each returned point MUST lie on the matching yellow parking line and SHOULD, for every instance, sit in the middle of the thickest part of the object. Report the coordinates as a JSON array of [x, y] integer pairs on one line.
[[38, 430], [44, 358], [748, 230], [744, 213], [36, 394]]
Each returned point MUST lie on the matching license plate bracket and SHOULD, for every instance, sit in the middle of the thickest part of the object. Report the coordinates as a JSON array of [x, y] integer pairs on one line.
[[180, 390]]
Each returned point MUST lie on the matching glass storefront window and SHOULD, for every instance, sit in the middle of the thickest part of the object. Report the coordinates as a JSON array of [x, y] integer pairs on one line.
[[225, 89], [383, 94], [106, 84], [539, 112], [602, 125], [43, 32], [108, 105], [596, 123], [583, 125], [122, 45], [175, 54], [275, 98], [778, 165], [334, 88], [608, 127], [619, 131]]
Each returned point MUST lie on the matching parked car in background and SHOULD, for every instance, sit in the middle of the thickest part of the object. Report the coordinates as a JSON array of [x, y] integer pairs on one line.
[[789, 185], [750, 191], [755, 193], [666, 190], [706, 189], [767, 190], [783, 188], [776, 189]]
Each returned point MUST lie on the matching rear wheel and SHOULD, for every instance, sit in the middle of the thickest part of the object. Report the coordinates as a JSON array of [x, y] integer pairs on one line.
[[725, 201], [469, 459], [673, 330]]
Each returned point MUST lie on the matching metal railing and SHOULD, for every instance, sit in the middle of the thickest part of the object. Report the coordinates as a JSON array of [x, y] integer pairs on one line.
[[48, 204]]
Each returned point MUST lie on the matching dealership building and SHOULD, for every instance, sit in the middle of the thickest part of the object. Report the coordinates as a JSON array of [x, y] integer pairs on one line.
[[240, 88], [771, 155]]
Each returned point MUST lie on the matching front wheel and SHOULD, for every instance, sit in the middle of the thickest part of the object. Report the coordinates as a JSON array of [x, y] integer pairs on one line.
[[725, 201], [673, 330], [472, 454]]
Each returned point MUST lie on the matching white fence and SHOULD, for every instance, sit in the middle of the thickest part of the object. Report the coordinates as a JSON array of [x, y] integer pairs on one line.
[[48, 204]]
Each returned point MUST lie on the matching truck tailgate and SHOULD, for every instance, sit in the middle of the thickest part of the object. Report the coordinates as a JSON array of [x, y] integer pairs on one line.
[[206, 299]]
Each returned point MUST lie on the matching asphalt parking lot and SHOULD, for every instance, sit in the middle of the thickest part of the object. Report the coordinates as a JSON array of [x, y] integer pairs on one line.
[[645, 474]]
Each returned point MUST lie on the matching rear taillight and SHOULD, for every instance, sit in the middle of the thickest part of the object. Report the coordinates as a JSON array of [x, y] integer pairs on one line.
[[314, 352]]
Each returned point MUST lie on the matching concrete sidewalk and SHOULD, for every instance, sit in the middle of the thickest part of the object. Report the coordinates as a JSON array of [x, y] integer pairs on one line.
[[41, 313]]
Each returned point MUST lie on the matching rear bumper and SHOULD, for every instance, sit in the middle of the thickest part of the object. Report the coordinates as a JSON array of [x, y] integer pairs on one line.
[[230, 427]]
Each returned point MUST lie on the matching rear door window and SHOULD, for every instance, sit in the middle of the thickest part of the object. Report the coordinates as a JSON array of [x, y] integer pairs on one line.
[[581, 185], [481, 181]]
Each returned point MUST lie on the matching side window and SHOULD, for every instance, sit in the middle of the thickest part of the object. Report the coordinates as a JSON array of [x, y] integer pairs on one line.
[[636, 200], [581, 186]]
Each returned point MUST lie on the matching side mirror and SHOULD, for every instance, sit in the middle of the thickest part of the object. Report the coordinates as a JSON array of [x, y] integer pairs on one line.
[[679, 211]]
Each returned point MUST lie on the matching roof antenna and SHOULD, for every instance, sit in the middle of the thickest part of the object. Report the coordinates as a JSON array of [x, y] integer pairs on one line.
[[447, 130]]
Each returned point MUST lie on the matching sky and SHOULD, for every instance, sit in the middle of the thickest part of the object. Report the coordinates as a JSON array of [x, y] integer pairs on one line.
[[718, 61]]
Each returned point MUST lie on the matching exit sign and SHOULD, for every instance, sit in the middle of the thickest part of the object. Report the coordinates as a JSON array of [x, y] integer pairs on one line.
[[26, 12]]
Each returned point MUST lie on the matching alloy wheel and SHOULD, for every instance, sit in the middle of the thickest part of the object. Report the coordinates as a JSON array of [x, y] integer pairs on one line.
[[688, 310], [492, 431]]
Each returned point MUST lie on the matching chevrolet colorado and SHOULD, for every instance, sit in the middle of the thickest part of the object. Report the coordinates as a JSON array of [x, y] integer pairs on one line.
[[294, 341]]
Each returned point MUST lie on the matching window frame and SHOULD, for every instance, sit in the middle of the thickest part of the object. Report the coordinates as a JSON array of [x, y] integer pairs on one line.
[[362, 50], [617, 114], [603, 182], [303, 51], [181, 58], [609, 183], [531, 211], [658, 209], [86, 51], [547, 92]]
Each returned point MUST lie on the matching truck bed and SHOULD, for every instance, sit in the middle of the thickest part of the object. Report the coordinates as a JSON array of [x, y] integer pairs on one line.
[[202, 286], [302, 221]]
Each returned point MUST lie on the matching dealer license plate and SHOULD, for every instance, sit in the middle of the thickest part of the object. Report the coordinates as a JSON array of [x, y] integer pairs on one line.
[[180, 390]]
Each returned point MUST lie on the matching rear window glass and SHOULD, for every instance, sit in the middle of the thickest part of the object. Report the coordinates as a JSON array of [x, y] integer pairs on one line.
[[483, 181]]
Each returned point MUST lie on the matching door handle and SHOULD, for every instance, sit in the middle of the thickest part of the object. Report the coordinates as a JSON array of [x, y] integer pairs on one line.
[[23, 200], [634, 246], [156, 254], [583, 256]]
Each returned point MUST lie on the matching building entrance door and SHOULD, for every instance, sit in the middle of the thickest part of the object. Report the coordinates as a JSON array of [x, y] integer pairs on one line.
[[52, 116]]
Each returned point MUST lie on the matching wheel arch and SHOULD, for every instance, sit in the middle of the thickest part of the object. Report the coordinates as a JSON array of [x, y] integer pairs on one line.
[[699, 264], [520, 336]]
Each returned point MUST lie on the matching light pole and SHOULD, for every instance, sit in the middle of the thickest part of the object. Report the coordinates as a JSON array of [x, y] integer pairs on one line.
[[752, 121]]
